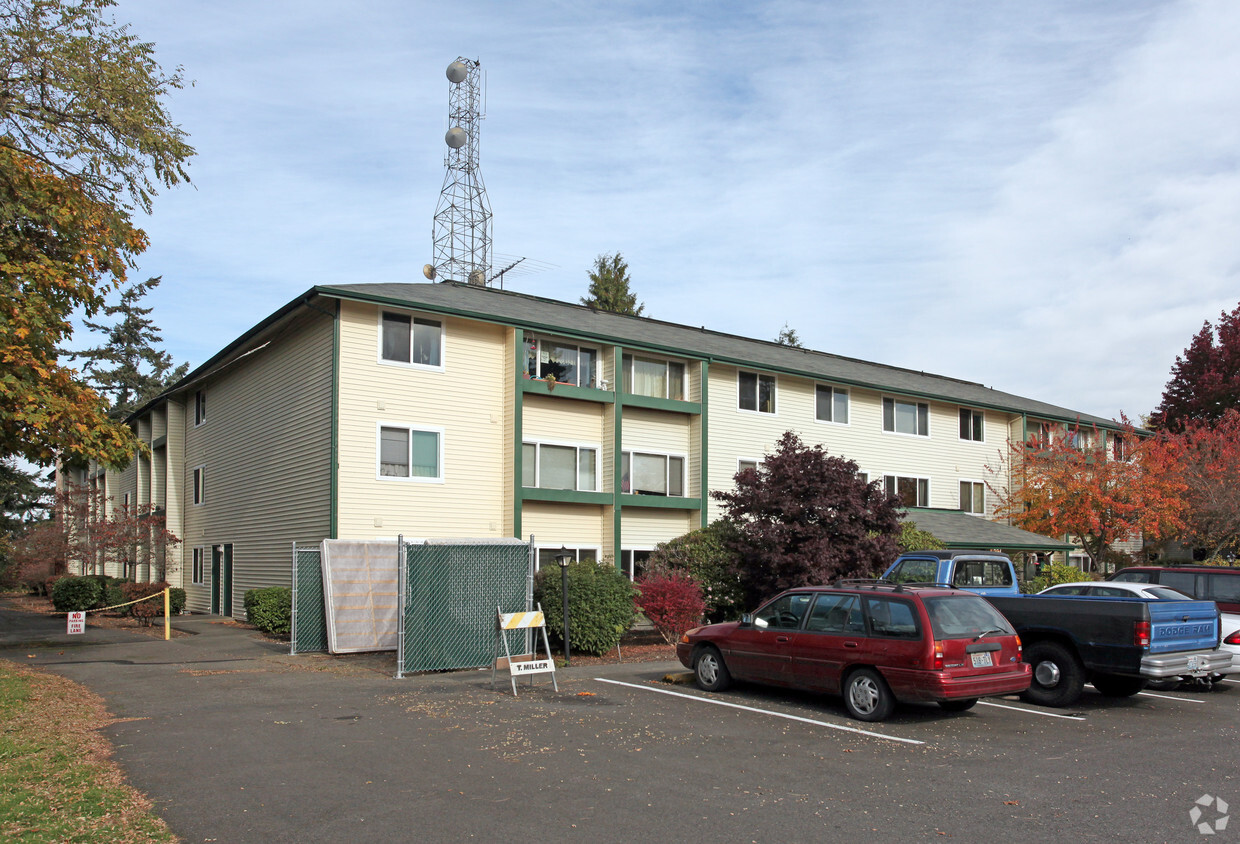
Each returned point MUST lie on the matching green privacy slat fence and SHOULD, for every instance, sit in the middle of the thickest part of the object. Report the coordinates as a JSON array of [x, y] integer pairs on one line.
[[309, 622], [449, 595]]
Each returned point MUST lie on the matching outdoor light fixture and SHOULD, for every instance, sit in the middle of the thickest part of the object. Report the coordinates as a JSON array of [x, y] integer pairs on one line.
[[564, 558]]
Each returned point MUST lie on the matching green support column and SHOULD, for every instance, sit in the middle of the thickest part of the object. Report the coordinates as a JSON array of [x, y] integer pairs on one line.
[[704, 421], [517, 431], [333, 516], [617, 449]]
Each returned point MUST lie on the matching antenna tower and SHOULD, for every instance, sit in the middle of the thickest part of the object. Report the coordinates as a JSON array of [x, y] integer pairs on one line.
[[462, 234]]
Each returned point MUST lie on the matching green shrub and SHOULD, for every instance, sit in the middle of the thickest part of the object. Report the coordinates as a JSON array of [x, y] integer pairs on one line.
[[176, 597], [73, 594], [704, 555], [914, 539], [112, 593], [270, 609], [600, 605]]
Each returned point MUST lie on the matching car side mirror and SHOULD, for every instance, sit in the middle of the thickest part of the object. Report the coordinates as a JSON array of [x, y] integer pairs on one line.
[[747, 620]]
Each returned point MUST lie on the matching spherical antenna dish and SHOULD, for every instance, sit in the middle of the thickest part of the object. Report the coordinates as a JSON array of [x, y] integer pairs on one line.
[[457, 71], [455, 137], [428, 271]]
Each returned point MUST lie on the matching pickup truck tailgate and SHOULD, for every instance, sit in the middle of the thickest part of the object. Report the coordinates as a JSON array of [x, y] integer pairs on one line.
[[1183, 626]]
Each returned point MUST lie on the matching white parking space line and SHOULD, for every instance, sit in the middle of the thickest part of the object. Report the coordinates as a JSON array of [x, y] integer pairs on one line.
[[1030, 711], [761, 711], [1171, 697]]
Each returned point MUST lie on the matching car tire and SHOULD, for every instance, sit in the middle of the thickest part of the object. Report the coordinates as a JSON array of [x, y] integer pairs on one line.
[[710, 671], [867, 697], [958, 705], [1111, 685], [1169, 684], [1058, 677]]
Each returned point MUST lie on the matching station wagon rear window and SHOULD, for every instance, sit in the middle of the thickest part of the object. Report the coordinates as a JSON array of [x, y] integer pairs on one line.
[[892, 618], [964, 617]]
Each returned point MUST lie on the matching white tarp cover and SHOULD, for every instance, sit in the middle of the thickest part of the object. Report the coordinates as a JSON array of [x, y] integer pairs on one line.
[[360, 586]]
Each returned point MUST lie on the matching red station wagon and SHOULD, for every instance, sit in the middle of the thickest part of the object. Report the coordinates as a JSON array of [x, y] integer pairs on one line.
[[874, 643]]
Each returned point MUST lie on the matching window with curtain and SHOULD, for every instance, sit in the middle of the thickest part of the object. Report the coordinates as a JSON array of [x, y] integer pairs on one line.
[[660, 379], [973, 497], [565, 362], [652, 474], [408, 453], [547, 466]]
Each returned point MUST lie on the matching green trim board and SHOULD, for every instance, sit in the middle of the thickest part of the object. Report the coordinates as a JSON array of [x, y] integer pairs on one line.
[[160, 441], [333, 518], [518, 430], [704, 423], [633, 400], [617, 479], [568, 391], [663, 502], [565, 496]]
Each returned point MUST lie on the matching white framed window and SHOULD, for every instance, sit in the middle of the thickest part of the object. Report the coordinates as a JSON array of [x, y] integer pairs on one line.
[[972, 425], [644, 473], [633, 561], [973, 497], [549, 465], [831, 404], [200, 484], [755, 391], [200, 407], [912, 491], [653, 377], [547, 555], [409, 340], [864, 476], [198, 570], [409, 453], [743, 463], [906, 417], [563, 361], [126, 501]]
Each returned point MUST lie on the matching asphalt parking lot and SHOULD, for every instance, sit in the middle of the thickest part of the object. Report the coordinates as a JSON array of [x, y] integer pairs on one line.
[[236, 741]]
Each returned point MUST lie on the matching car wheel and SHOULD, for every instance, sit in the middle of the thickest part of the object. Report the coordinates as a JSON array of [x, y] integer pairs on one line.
[[710, 671], [1167, 685], [1113, 686], [1057, 676], [958, 705], [867, 696]]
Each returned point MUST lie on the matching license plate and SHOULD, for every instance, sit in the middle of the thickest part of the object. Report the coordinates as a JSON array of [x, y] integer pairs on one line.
[[1192, 663], [982, 660]]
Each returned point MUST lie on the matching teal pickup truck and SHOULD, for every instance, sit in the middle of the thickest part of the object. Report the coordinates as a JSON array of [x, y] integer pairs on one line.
[[1117, 644]]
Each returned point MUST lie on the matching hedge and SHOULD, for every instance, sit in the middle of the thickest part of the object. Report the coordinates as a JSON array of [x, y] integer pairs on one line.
[[74, 594], [600, 605], [270, 609]]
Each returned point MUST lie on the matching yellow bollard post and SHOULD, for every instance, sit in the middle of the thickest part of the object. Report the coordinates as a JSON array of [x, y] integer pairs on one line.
[[167, 616]]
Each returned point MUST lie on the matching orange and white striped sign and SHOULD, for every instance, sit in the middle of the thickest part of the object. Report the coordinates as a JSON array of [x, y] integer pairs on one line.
[[520, 620]]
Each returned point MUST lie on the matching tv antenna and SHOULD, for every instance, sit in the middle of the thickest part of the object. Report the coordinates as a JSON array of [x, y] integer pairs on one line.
[[462, 231]]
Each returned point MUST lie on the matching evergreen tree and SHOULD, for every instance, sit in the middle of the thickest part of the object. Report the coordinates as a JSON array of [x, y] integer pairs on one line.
[[788, 337], [609, 287], [130, 368]]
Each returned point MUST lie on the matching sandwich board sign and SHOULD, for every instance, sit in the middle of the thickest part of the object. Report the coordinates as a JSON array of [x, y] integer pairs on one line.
[[77, 622], [523, 667]]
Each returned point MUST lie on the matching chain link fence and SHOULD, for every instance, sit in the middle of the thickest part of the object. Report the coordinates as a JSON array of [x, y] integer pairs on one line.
[[308, 633], [450, 592]]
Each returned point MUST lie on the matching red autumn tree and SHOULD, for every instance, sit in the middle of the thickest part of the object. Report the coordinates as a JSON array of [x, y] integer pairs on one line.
[[1068, 483], [1204, 459], [1205, 380], [803, 516]]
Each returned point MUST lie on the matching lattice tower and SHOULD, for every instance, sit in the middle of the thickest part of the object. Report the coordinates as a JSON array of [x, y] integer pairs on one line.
[[462, 233]]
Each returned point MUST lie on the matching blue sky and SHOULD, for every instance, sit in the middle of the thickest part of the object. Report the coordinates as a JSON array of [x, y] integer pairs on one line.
[[1042, 197]]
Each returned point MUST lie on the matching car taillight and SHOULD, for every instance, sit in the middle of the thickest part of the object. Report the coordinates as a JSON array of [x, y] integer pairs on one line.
[[1019, 647], [1141, 634], [1233, 639], [938, 656]]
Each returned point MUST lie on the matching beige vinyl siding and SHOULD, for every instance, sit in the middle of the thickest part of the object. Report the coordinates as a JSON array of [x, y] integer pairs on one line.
[[646, 528], [657, 431], [942, 456], [465, 402], [266, 448], [174, 501], [555, 418], [553, 524]]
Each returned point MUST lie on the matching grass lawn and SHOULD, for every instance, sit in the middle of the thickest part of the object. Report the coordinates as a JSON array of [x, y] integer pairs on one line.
[[57, 780]]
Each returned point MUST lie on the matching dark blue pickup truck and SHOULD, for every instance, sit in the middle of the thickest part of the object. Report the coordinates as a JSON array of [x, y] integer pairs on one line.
[[1117, 644]]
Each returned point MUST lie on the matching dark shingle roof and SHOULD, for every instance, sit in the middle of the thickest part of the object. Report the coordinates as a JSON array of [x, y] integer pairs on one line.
[[531, 312], [961, 530]]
